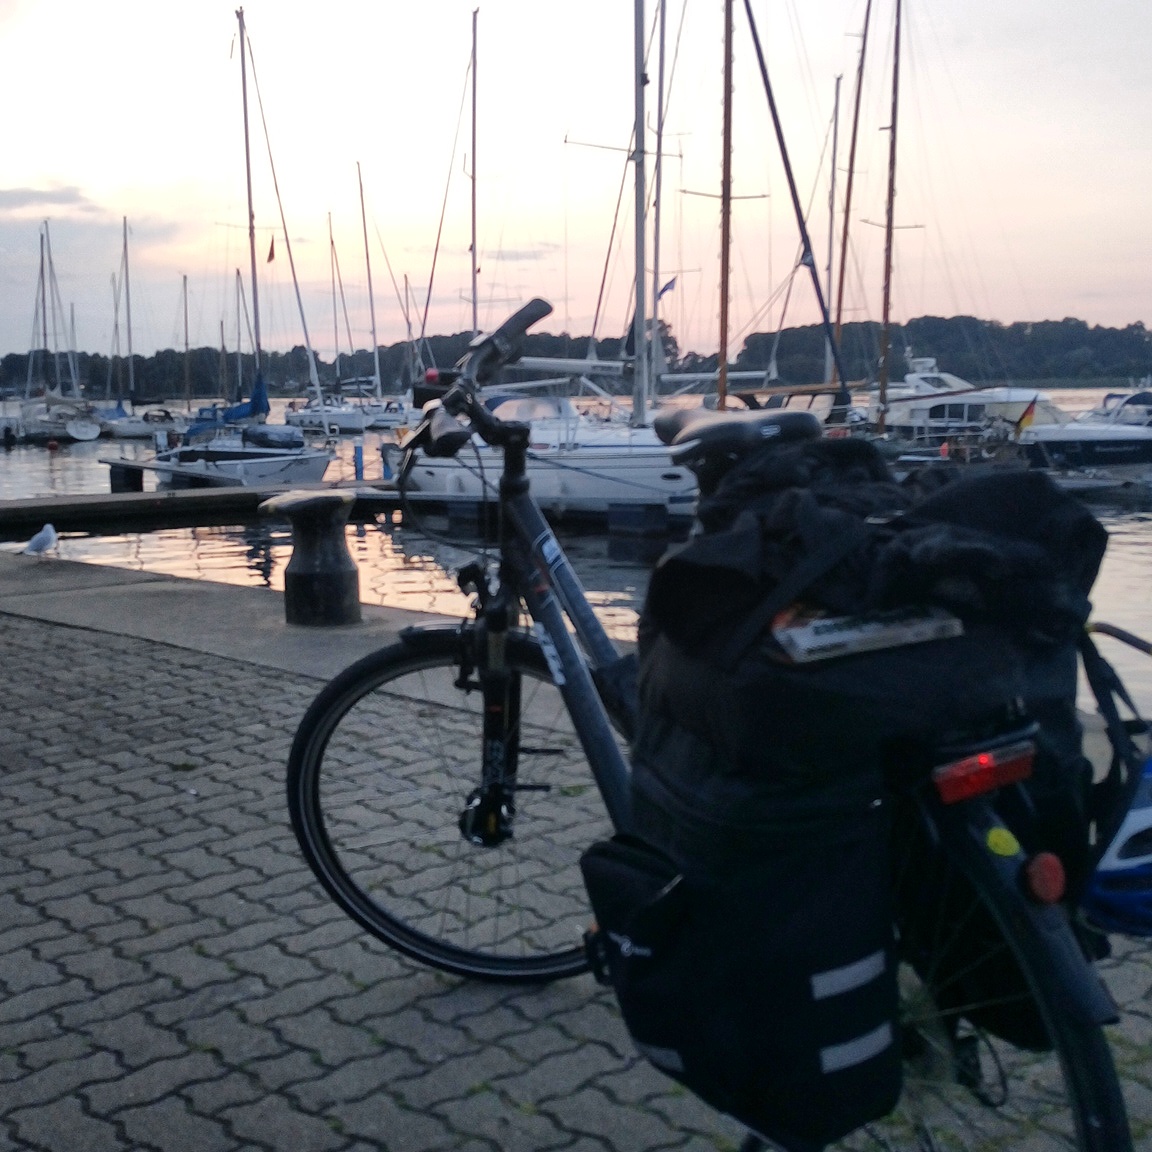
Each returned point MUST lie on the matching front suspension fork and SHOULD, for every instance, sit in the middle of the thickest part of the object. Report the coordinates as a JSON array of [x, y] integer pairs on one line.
[[490, 809]]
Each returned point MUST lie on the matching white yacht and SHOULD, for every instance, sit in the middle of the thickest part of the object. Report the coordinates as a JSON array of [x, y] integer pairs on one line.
[[930, 406]]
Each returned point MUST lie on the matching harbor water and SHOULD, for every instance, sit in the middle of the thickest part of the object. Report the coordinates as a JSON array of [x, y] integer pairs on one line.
[[406, 563]]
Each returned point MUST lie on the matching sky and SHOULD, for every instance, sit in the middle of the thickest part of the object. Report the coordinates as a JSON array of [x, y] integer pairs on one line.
[[1024, 165]]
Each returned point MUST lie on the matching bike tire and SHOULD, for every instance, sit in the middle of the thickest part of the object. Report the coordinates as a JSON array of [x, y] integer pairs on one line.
[[379, 772], [995, 1057]]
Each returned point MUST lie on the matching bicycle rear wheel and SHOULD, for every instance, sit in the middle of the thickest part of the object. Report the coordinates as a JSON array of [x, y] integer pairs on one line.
[[994, 1060], [380, 770]]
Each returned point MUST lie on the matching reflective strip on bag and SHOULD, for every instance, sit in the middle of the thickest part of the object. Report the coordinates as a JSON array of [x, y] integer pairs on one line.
[[837, 981], [837, 1057]]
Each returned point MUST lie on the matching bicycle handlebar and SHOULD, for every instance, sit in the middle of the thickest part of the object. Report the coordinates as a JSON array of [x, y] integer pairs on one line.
[[490, 352], [439, 432]]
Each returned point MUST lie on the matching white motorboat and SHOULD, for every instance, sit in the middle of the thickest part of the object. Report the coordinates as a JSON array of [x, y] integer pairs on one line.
[[930, 407], [328, 414], [143, 425], [253, 456]]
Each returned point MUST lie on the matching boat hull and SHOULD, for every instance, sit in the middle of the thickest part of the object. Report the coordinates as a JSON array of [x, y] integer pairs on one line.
[[588, 481], [224, 467], [1111, 449]]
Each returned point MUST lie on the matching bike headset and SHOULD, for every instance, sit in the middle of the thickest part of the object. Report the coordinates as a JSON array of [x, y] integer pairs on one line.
[[1118, 897]]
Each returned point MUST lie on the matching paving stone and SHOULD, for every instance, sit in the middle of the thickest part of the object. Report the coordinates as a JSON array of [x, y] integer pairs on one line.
[[331, 1041], [273, 1122], [62, 1079], [234, 1040], [510, 1126], [65, 1128], [380, 1120], [296, 998], [357, 1079], [171, 1124], [153, 1082], [135, 1039], [212, 1097], [54, 1050]]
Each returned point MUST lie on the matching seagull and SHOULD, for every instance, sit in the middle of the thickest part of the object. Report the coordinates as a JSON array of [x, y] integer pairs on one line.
[[42, 542]]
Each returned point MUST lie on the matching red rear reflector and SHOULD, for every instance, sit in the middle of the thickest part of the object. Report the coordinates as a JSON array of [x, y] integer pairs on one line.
[[983, 772], [432, 375], [1044, 878]]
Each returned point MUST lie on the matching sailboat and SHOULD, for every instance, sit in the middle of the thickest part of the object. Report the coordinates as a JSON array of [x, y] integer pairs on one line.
[[59, 414], [232, 444], [380, 412], [578, 465], [118, 422], [324, 412]]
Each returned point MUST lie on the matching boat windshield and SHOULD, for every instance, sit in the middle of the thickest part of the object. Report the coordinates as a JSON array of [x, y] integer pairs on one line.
[[532, 408]]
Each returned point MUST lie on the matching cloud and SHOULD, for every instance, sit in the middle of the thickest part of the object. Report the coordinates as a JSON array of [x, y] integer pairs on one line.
[[14, 199], [523, 255]]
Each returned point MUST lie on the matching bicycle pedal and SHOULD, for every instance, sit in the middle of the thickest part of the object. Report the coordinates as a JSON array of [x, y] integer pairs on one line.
[[597, 952]]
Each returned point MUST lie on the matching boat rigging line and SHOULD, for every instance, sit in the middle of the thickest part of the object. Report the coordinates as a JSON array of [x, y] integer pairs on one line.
[[843, 400], [313, 377]]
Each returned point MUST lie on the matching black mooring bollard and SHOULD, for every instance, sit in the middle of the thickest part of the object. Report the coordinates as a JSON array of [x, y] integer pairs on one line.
[[321, 581]]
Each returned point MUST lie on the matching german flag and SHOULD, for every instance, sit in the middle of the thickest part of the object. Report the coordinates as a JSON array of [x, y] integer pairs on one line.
[[1026, 417]]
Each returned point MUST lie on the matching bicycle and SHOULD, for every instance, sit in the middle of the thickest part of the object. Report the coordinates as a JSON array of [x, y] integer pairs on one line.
[[443, 789]]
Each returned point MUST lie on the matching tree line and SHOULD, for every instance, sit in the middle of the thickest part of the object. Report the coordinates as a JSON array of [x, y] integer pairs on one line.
[[982, 351]]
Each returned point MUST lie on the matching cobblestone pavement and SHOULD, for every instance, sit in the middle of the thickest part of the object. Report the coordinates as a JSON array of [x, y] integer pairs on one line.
[[172, 978]]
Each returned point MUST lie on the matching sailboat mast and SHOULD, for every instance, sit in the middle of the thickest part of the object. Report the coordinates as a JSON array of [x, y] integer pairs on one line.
[[828, 363], [885, 323], [248, 174], [657, 342], [239, 338], [44, 306], [843, 399], [371, 300], [52, 300], [851, 175], [335, 317], [639, 325], [725, 210], [475, 253], [128, 318], [187, 374]]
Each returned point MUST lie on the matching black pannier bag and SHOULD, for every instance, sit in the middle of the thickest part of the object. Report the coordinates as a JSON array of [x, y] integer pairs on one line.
[[760, 855]]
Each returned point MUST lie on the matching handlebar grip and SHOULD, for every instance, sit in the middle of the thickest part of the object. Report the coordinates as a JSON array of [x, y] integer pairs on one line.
[[502, 346]]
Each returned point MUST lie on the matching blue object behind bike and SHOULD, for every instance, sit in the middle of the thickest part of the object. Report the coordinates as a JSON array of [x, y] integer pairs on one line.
[[1119, 895]]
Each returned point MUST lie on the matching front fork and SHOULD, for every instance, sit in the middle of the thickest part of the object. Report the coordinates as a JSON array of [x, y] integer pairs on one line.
[[490, 809]]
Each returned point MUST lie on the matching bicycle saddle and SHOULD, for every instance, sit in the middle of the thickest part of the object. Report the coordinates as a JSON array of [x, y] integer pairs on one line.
[[694, 433]]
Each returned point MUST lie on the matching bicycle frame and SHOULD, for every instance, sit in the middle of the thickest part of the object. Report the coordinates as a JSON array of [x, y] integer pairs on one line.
[[533, 566]]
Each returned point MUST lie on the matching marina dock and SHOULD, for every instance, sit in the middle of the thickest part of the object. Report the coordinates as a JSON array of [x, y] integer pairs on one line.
[[174, 508]]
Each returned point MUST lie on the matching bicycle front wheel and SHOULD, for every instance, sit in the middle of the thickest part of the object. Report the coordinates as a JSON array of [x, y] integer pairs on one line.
[[380, 770]]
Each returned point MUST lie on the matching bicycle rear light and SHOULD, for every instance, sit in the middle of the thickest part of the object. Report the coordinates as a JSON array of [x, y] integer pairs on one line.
[[983, 771]]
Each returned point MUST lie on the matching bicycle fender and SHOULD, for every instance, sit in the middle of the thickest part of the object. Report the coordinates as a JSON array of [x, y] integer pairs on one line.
[[422, 637], [990, 855]]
